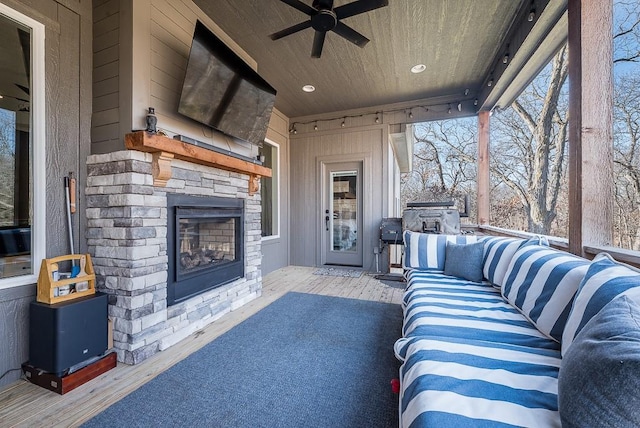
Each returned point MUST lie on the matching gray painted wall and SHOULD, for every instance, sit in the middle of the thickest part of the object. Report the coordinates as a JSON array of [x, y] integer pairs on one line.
[[105, 122], [343, 144], [275, 251], [140, 55], [68, 113], [70, 90], [143, 64]]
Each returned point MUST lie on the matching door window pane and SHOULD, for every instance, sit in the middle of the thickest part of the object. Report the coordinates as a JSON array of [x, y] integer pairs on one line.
[[345, 210]]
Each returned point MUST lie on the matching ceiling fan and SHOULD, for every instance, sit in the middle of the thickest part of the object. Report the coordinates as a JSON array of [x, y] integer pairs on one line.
[[324, 18]]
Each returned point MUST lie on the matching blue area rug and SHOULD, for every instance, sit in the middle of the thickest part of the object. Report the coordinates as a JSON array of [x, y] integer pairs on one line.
[[303, 361]]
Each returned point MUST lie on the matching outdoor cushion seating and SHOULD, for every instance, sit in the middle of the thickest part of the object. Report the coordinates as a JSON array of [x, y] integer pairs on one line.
[[490, 353]]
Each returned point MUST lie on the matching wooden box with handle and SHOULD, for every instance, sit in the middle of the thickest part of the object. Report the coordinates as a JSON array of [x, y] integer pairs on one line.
[[50, 289]]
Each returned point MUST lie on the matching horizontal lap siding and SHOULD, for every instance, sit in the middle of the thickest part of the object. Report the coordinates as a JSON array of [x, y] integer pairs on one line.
[[105, 129], [171, 32], [171, 35]]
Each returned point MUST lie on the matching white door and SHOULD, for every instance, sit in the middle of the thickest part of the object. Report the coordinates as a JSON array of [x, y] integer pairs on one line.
[[342, 214]]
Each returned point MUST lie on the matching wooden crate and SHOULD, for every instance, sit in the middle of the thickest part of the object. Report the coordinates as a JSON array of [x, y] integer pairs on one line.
[[47, 286]]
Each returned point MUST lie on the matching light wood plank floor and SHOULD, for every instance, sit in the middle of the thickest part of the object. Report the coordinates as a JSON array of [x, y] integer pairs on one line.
[[23, 404]]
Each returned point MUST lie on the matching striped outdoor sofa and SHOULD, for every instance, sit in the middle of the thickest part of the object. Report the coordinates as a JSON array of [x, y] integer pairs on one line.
[[503, 332]]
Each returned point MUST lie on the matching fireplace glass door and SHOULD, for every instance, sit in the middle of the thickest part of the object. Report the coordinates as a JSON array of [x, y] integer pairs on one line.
[[205, 244]]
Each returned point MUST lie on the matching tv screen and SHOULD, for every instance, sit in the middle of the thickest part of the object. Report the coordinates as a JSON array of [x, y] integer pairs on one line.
[[220, 90]]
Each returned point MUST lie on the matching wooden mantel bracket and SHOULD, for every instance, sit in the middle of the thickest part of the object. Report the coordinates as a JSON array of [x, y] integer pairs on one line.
[[254, 184], [165, 149], [161, 168]]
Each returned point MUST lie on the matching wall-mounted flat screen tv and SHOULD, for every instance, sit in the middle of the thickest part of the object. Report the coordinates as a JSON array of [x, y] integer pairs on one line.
[[222, 91]]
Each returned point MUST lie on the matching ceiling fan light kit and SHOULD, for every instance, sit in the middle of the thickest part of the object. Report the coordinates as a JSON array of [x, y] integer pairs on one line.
[[324, 18]]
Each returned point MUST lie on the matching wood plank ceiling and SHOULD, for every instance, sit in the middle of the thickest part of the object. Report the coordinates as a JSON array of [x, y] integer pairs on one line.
[[457, 40]]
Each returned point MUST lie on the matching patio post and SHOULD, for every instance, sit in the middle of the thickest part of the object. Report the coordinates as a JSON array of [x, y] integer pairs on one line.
[[590, 124], [483, 168]]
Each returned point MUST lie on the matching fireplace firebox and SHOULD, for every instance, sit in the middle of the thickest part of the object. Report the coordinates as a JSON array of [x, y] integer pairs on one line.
[[205, 244]]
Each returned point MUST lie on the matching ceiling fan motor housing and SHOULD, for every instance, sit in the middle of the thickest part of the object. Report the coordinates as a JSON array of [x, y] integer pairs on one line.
[[324, 20]]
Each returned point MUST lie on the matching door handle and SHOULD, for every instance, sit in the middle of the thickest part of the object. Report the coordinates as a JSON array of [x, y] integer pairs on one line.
[[326, 222]]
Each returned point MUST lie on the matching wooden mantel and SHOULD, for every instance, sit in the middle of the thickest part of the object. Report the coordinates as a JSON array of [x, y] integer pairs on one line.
[[165, 149]]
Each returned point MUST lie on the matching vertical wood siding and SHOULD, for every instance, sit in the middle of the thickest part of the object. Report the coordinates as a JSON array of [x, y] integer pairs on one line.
[[306, 205], [67, 89]]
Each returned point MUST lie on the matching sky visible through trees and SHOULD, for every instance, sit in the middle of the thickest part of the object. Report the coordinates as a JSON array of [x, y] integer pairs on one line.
[[528, 152]]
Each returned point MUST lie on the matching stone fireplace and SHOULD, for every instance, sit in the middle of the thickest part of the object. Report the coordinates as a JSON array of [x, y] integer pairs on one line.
[[205, 244], [146, 239]]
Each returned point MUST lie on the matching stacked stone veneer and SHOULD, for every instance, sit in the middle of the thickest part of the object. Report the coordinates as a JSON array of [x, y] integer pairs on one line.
[[127, 238]]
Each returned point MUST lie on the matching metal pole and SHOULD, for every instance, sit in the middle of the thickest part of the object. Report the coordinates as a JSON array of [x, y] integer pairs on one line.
[[68, 206]]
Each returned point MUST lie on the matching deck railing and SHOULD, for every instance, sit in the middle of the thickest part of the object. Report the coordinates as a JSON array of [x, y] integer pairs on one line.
[[626, 256]]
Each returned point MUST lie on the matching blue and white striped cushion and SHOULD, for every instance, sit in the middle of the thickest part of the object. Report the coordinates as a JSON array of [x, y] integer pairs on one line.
[[423, 275], [427, 251], [474, 383], [496, 257], [498, 252], [471, 359], [541, 282], [423, 282], [605, 280], [457, 308]]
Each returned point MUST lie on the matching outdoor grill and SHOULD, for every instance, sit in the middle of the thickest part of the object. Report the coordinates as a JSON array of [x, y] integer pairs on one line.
[[433, 217]]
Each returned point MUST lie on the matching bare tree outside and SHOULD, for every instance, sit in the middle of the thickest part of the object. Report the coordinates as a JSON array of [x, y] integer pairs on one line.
[[627, 124], [444, 166], [529, 147], [627, 162], [528, 158], [528, 150]]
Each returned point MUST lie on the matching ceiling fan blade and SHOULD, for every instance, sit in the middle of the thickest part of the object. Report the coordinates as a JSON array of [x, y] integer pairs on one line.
[[293, 29], [302, 7], [350, 34], [358, 7], [318, 42]]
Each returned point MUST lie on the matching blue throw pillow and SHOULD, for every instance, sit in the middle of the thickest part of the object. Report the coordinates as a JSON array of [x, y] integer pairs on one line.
[[599, 376], [464, 261]]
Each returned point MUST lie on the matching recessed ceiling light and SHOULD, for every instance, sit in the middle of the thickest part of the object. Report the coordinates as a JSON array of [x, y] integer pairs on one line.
[[418, 68], [308, 88]]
